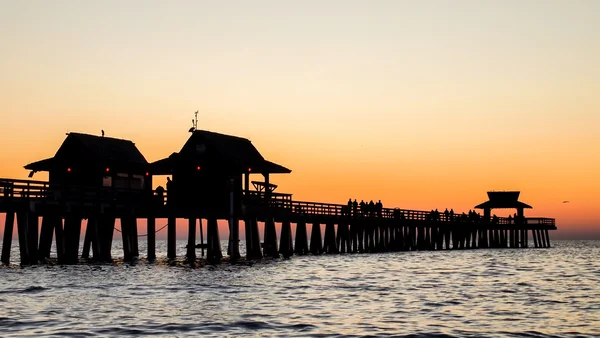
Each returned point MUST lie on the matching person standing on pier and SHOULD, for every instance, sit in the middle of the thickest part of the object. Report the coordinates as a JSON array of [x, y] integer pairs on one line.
[[379, 206], [355, 208], [362, 208], [371, 209], [349, 207], [446, 215]]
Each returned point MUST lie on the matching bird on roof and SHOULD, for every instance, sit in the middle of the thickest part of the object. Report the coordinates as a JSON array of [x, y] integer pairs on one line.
[[102, 132]]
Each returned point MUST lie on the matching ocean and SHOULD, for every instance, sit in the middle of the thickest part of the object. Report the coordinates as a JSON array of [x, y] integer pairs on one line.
[[551, 292]]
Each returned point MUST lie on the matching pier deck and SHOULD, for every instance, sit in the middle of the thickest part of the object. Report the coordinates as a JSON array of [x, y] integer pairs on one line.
[[347, 229]]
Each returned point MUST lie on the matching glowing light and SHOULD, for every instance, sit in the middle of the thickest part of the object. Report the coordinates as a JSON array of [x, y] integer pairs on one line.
[[147, 173], [198, 168], [249, 169], [107, 169], [69, 170]]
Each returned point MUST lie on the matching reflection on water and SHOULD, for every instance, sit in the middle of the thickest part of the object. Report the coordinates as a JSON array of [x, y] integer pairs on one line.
[[535, 292]]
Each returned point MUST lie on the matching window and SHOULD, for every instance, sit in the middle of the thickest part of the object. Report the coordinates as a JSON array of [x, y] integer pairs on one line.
[[107, 181], [137, 182]]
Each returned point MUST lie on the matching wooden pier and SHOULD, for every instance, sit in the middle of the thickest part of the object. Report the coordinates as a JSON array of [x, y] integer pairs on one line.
[[103, 179]]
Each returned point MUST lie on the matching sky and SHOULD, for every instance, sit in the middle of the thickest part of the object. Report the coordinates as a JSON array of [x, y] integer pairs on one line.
[[422, 104]]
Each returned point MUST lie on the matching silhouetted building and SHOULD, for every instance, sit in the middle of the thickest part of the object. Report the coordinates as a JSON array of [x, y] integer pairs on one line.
[[204, 167], [503, 200], [85, 160]]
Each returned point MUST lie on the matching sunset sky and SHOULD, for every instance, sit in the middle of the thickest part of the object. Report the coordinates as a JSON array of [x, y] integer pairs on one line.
[[422, 104]]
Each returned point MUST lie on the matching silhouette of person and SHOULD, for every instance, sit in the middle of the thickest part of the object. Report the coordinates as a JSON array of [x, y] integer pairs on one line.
[[451, 214], [355, 208], [509, 219], [446, 214], [349, 206], [371, 208], [379, 209], [362, 207]]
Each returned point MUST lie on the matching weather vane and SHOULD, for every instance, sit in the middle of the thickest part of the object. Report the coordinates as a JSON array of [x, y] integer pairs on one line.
[[194, 122]]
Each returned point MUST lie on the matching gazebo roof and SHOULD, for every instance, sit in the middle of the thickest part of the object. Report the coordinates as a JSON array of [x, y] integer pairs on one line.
[[225, 150], [503, 200], [85, 148]]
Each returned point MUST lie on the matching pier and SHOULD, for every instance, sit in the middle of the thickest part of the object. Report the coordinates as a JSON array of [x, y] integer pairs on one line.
[[103, 179]]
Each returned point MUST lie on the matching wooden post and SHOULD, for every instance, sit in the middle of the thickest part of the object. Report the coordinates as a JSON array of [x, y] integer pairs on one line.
[[301, 245], [135, 249], [87, 239], [151, 238], [285, 243], [547, 238], [233, 248], [106, 230], [202, 236], [126, 238], [32, 238], [59, 234], [330, 245], [270, 245], [191, 245], [72, 236], [7, 239], [171, 238], [213, 252], [97, 249], [22, 228], [46, 235], [316, 244], [535, 240]]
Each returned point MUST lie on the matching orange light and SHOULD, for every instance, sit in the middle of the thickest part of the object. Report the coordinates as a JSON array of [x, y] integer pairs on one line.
[[249, 169], [107, 169], [198, 168], [69, 170], [147, 173]]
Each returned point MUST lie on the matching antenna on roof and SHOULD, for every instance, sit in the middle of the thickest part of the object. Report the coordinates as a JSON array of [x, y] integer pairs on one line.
[[194, 122]]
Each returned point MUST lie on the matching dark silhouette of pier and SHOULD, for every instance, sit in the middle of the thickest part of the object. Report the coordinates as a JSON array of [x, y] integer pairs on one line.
[[102, 179]]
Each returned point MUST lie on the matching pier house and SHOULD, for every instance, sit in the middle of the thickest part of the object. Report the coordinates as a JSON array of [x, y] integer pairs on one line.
[[210, 168], [92, 161]]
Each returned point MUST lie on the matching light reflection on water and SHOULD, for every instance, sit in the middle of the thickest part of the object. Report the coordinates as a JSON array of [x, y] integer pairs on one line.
[[535, 292]]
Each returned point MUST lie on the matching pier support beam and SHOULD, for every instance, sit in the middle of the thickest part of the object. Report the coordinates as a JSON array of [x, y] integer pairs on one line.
[[7, 239], [87, 239], [46, 235], [22, 227], [253, 250], [330, 245], [191, 245], [151, 238], [547, 238], [286, 248], [171, 238], [213, 252], [233, 248], [301, 240], [270, 245], [316, 244], [72, 235], [106, 231]]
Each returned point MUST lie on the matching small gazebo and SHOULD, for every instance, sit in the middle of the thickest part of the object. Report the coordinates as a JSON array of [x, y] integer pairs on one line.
[[503, 200], [207, 165]]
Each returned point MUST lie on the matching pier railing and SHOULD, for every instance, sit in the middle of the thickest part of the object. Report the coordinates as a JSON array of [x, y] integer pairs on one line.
[[41, 190]]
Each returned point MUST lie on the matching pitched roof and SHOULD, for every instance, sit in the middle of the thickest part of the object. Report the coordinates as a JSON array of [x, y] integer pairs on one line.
[[78, 147], [503, 200], [234, 151]]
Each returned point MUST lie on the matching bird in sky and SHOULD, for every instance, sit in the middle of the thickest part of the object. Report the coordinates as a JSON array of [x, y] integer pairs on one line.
[[565, 201]]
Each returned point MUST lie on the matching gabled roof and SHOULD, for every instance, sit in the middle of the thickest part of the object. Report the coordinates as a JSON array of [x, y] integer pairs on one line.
[[503, 200], [85, 148], [231, 151]]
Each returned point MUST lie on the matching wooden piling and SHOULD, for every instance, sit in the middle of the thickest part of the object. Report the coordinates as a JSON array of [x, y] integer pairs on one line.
[[301, 240], [106, 230], [151, 238], [46, 234], [72, 233], [171, 238], [32, 238], [202, 236], [330, 246], [7, 239], [191, 245], [213, 252], [270, 244], [316, 244], [286, 248], [547, 238], [87, 239], [59, 234], [126, 239], [22, 228], [233, 248]]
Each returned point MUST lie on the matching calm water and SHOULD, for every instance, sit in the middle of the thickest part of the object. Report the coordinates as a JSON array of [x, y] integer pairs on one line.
[[534, 292]]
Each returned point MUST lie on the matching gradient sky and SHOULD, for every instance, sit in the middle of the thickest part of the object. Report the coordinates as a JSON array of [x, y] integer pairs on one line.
[[422, 104]]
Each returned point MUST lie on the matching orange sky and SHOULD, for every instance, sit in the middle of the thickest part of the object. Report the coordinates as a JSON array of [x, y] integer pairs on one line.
[[422, 105]]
